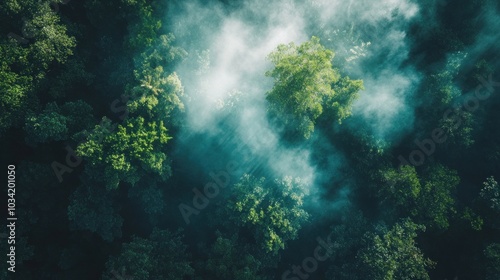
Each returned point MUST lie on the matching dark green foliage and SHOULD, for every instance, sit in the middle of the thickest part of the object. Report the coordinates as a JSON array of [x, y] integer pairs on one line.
[[72, 76], [492, 253], [41, 42], [56, 123], [150, 196], [347, 238], [440, 90], [91, 208], [428, 198], [272, 211], [491, 193], [392, 254], [161, 256], [227, 260], [50, 125], [79, 116], [108, 80]]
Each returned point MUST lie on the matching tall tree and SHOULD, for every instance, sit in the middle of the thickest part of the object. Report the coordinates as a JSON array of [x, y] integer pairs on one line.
[[228, 259], [392, 254], [306, 85], [272, 211], [132, 150], [36, 41], [427, 198], [161, 256], [50, 125], [491, 193], [492, 254], [93, 208], [489, 202]]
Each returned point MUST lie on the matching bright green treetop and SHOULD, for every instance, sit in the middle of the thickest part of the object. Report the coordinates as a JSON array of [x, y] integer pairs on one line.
[[134, 149], [305, 87]]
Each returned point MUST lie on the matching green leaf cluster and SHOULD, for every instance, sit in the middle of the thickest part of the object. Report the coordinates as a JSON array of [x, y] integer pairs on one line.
[[306, 85], [272, 211], [132, 150], [392, 254]]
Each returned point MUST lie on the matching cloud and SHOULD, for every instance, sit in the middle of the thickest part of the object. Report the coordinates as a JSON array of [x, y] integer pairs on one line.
[[487, 37], [236, 42], [239, 43], [385, 105]]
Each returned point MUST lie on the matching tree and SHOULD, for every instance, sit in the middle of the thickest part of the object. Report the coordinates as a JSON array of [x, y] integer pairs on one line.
[[305, 85], [14, 88], [491, 193], [79, 116], [36, 40], [161, 256], [426, 198], [347, 239], [146, 26], [227, 260], [489, 202], [71, 77], [163, 54], [338, 106], [51, 43], [437, 203], [158, 95], [92, 208], [392, 254], [492, 254], [50, 125], [132, 150], [402, 187], [56, 123], [273, 212], [440, 90], [151, 198]]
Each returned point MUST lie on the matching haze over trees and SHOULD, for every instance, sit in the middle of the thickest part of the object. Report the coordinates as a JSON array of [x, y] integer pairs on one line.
[[365, 132]]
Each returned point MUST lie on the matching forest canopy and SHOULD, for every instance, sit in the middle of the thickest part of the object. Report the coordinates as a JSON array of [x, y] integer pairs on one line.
[[250, 140]]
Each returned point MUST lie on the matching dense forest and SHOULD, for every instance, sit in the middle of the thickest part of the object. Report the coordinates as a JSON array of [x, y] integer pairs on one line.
[[250, 140]]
